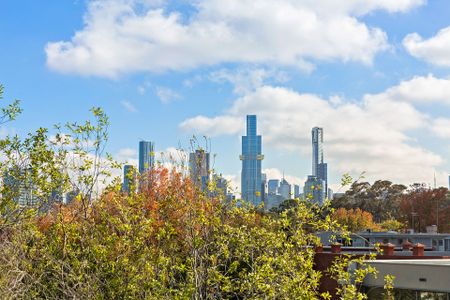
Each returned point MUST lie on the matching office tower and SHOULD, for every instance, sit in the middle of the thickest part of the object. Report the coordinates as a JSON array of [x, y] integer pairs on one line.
[[314, 190], [449, 182], [285, 189], [319, 168], [273, 186], [146, 156], [330, 194], [199, 168], [129, 178], [296, 191], [251, 157], [19, 186], [264, 189], [221, 186]]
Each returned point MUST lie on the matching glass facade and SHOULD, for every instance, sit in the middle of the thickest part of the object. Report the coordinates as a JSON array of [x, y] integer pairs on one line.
[[129, 178], [251, 176], [199, 168], [314, 190], [319, 168], [146, 156]]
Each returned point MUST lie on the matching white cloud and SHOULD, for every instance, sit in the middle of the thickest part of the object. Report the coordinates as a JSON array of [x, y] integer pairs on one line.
[[167, 95], [419, 89], [123, 36], [372, 136], [246, 80], [441, 127], [435, 50], [128, 106], [127, 155]]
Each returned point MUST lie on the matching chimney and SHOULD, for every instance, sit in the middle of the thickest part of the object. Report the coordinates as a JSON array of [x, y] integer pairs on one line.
[[418, 250], [388, 249], [336, 248]]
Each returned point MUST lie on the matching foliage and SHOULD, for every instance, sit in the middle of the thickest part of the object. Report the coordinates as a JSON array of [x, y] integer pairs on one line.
[[354, 220], [381, 199], [423, 206], [163, 240], [392, 225]]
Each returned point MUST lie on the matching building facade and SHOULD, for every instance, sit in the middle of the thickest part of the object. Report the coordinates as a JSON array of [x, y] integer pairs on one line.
[[285, 189], [314, 190], [146, 156], [251, 157], [272, 186], [319, 167], [129, 178], [199, 162]]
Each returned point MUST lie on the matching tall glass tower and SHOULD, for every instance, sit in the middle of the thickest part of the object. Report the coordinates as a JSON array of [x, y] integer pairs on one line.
[[146, 156], [129, 178], [319, 168], [199, 168], [251, 176]]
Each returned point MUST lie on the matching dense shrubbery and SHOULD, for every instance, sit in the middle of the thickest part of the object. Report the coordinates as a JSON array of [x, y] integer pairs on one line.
[[167, 241]]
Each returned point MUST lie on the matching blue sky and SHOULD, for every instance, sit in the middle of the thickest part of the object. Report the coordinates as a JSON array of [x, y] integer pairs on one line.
[[374, 74]]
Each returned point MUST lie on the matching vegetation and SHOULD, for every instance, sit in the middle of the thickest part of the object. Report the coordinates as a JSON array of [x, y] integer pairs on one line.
[[397, 207], [163, 240]]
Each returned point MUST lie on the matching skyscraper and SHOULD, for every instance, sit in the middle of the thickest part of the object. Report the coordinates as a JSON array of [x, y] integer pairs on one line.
[[296, 191], [273, 186], [19, 186], [319, 168], [251, 157], [129, 178], [199, 168], [285, 189], [314, 190], [146, 156]]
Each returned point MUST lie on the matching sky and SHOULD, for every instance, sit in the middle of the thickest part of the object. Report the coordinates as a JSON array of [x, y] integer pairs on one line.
[[375, 74]]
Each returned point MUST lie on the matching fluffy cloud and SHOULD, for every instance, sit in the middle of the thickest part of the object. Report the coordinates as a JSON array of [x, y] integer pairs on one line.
[[441, 127], [372, 135], [122, 36], [419, 89], [246, 80], [435, 50]]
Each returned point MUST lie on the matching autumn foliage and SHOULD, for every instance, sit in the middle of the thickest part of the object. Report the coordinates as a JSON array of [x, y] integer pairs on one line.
[[167, 241], [355, 220]]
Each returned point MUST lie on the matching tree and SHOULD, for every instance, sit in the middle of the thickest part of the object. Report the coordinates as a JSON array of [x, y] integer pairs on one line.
[[165, 240], [381, 199], [354, 220], [423, 206]]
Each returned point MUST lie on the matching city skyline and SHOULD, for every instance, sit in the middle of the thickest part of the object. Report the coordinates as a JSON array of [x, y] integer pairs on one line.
[[379, 88]]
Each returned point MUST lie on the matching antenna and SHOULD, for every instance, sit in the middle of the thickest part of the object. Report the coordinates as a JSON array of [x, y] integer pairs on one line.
[[435, 180]]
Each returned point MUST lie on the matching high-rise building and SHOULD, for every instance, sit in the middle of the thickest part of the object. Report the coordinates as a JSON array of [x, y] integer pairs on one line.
[[199, 168], [129, 178], [296, 191], [285, 189], [146, 156], [19, 186], [319, 168], [264, 189], [221, 185], [272, 186], [251, 157], [314, 190]]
